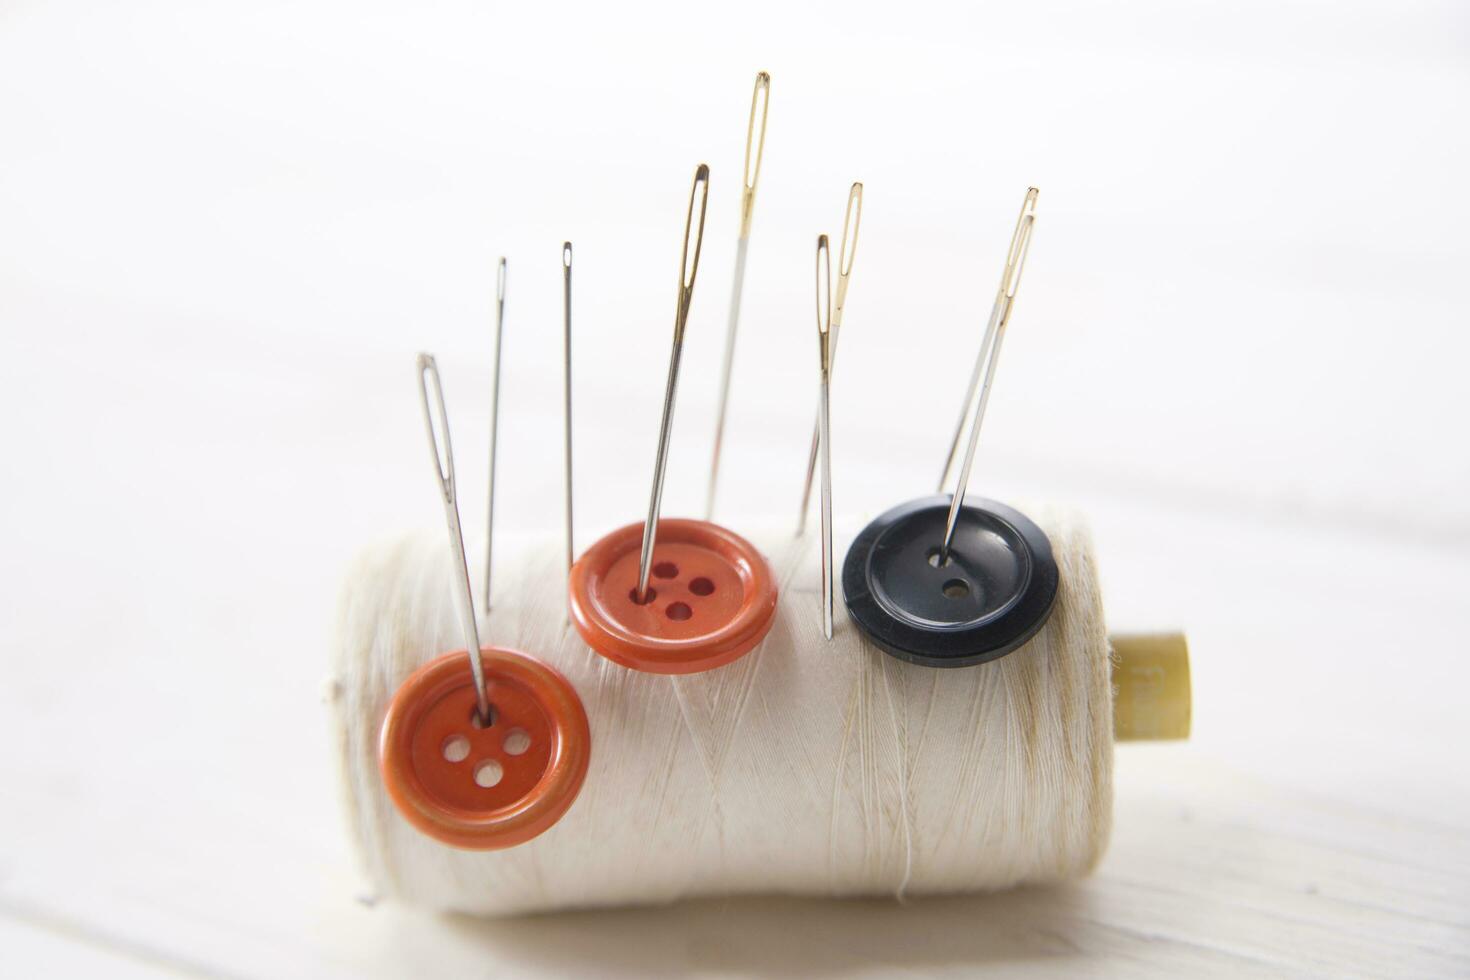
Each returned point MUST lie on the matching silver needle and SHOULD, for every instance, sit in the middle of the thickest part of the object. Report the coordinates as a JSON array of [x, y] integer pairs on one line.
[[494, 423], [566, 266], [444, 470]]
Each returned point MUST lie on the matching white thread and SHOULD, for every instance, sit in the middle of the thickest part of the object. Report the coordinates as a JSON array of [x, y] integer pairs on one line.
[[781, 772], [901, 737]]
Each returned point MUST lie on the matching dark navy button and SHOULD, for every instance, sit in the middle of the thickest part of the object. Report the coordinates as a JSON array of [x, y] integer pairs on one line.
[[993, 594]]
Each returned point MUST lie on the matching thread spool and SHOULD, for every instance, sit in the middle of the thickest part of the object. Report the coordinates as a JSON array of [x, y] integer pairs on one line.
[[807, 767]]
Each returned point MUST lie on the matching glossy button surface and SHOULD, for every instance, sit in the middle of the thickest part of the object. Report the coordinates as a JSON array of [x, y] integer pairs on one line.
[[484, 787], [992, 595], [713, 598]]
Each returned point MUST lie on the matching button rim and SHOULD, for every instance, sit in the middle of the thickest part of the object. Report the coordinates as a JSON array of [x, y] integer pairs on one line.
[[987, 641], [658, 655], [535, 813]]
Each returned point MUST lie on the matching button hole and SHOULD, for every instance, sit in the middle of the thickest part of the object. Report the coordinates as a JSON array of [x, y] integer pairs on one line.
[[517, 742], [456, 748], [488, 773], [956, 588]]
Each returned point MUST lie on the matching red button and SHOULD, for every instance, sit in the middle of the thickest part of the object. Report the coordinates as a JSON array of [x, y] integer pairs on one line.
[[714, 598], [484, 787]]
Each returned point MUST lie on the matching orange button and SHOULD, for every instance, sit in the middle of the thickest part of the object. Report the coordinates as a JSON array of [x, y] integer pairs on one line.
[[484, 787], [713, 598]]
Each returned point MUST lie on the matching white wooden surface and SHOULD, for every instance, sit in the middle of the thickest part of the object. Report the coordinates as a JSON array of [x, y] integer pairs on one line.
[[1240, 348]]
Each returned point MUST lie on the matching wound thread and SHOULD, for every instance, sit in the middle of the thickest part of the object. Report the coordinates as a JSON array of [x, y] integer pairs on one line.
[[806, 767]]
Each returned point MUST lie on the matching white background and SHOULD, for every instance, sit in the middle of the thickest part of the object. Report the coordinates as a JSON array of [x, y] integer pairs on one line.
[[1240, 348]]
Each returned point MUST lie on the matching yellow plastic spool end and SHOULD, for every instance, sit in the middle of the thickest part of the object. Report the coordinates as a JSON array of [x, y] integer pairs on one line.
[[1151, 694]]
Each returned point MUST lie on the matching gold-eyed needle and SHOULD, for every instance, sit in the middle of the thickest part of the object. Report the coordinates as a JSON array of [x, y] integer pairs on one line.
[[826, 336], [688, 268], [755, 145], [1028, 207], [1000, 315], [851, 219]]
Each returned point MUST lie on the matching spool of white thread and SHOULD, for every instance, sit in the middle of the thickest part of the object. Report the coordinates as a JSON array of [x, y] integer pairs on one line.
[[806, 767]]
